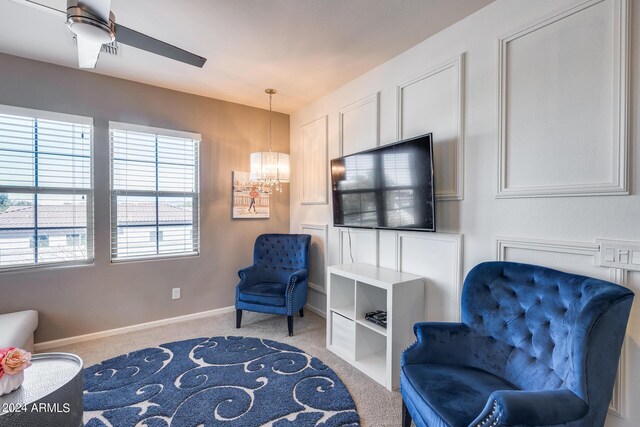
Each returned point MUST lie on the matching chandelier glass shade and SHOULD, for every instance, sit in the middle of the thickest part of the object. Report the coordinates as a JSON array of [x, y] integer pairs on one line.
[[269, 169], [270, 166]]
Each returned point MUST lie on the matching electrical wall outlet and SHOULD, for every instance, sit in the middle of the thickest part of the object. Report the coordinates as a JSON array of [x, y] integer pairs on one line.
[[175, 293], [619, 254]]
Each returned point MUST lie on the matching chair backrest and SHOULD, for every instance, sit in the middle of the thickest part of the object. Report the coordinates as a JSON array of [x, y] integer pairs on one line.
[[546, 329], [289, 251]]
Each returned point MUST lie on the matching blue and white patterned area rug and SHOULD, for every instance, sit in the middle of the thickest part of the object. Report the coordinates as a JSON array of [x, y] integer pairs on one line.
[[218, 381]]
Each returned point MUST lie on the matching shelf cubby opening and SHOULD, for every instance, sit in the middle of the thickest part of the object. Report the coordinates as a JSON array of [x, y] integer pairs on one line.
[[373, 326], [343, 295], [371, 351], [369, 298]]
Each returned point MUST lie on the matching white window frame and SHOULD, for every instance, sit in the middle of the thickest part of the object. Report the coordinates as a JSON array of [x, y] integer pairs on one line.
[[115, 193], [89, 193]]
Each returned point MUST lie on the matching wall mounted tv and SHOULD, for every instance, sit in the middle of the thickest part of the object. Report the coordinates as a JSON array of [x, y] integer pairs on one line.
[[388, 187]]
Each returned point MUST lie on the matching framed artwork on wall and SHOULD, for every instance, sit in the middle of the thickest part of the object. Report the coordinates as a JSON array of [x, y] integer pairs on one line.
[[249, 201]]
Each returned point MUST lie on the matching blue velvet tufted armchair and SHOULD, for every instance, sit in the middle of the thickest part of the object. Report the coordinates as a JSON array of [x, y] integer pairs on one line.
[[277, 281], [536, 347]]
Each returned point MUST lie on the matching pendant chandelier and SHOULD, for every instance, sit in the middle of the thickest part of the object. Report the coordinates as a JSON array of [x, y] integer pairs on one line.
[[269, 169]]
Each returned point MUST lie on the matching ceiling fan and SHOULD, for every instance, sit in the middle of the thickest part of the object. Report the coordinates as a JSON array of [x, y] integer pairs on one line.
[[94, 24]]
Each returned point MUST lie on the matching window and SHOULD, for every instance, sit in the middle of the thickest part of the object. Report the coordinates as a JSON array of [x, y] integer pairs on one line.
[[154, 192], [75, 239], [155, 235], [43, 241], [46, 189]]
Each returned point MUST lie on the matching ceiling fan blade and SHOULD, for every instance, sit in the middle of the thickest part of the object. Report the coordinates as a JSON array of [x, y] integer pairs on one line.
[[41, 7], [100, 7], [88, 52], [138, 40]]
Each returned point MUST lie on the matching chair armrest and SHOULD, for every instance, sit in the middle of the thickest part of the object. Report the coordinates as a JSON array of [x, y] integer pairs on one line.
[[296, 292], [298, 276], [246, 275], [438, 342], [531, 408]]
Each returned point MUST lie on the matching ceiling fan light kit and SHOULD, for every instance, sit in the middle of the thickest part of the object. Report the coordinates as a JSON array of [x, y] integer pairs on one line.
[[85, 24]]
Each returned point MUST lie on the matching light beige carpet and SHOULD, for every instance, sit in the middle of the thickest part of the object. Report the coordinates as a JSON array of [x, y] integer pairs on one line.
[[376, 405]]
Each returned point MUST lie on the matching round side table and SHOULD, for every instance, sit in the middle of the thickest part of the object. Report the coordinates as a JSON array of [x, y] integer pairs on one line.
[[51, 394]]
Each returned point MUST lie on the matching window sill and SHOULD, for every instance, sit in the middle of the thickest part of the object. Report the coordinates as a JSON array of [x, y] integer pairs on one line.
[[172, 257], [46, 267]]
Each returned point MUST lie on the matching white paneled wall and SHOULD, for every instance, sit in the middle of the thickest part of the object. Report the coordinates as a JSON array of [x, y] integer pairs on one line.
[[538, 66], [317, 264], [357, 245], [317, 253], [437, 257], [535, 161], [313, 163], [433, 102], [359, 125]]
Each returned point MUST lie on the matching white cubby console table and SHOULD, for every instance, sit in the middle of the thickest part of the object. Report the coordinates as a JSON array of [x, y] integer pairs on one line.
[[356, 289]]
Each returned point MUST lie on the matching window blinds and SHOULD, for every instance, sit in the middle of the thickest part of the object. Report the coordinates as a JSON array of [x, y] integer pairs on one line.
[[46, 191], [154, 192]]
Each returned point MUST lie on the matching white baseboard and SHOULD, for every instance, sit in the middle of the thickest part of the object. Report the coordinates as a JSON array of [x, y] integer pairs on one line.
[[315, 310], [41, 346], [316, 288]]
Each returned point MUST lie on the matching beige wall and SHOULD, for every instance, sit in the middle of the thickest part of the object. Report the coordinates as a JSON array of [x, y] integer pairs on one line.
[[79, 300]]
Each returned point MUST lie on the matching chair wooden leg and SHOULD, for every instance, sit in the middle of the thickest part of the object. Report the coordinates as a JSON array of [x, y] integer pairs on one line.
[[406, 416], [302, 312], [238, 318], [290, 325]]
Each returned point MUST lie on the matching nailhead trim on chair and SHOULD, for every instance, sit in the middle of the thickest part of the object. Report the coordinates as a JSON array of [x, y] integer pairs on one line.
[[410, 346], [290, 292], [495, 415]]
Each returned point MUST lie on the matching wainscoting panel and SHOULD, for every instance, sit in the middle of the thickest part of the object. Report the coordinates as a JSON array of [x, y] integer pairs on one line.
[[434, 102], [388, 249], [438, 258], [358, 124], [316, 298], [359, 244], [313, 162], [318, 263], [573, 257], [563, 104]]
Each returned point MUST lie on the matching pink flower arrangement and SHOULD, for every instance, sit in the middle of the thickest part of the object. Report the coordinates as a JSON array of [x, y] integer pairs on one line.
[[13, 360]]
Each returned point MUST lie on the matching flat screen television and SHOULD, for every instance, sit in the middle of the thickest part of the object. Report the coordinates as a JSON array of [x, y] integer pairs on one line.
[[387, 187]]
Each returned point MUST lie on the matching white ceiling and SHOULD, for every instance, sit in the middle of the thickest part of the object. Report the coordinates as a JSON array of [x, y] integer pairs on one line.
[[303, 48]]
